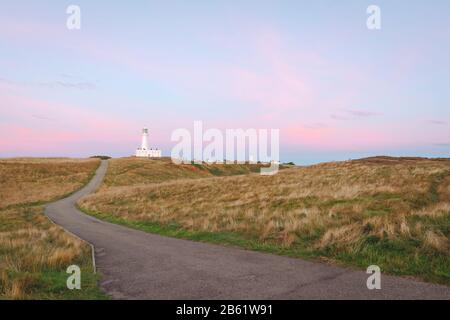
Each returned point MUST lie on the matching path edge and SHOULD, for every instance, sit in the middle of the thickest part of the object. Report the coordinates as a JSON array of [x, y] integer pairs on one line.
[[94, 264]]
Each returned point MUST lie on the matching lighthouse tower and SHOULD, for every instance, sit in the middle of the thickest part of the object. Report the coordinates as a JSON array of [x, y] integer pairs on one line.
[[144, 144], [144, 151]]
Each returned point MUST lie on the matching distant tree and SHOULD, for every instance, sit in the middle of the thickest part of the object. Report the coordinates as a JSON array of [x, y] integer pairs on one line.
[[101, 157]]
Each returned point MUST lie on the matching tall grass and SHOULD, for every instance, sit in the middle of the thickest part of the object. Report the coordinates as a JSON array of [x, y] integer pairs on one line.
[[137, 171], [34, 253], [31, 180], [386, 211]]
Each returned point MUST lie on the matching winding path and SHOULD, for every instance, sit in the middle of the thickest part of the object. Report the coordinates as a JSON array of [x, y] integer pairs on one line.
[[138, 265]]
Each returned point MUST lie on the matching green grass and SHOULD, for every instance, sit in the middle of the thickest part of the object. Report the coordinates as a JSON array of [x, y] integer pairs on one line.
[[51, 285], [396, 257]]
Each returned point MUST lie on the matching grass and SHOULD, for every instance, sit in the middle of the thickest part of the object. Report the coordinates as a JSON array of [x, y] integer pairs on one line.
[[40, 180], [138, 171], [35, 253], [393, 212]]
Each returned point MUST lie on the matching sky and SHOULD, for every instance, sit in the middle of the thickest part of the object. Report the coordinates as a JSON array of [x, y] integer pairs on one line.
[[312, 69]]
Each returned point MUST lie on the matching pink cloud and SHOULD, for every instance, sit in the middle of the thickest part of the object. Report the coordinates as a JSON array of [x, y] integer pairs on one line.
[[334, 138], [280, 90], [277, 83], [284, 80], [32, 125], [392, 135]]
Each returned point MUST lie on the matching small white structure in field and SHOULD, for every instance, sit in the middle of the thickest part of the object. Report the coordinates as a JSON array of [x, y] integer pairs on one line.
[[144, 151]]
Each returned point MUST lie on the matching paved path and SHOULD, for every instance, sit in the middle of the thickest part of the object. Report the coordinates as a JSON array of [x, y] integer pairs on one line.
[[139, 265]]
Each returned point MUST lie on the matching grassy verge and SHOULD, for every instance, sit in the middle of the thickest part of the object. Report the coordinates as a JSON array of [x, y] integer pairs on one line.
[[395, 257], [224, 238], [35, 253]]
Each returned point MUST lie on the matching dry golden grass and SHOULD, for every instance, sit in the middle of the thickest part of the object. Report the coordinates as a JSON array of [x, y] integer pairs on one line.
[[336, 209], [295, 200], [137, 171], [28, 180], [30, 244], [33, 251]]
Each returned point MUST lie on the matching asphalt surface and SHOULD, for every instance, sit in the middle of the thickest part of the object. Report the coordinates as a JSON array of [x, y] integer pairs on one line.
[[138, 265]]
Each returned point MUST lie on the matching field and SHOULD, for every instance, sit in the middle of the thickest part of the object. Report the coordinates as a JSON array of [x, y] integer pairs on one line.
[[392, 212], [137, 171], [34, 253]]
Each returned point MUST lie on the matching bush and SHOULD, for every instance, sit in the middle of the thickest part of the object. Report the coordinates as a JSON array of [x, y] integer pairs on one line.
[[101, 157]]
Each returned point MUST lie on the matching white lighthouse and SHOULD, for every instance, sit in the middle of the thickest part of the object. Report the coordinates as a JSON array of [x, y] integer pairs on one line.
[[144, 151]]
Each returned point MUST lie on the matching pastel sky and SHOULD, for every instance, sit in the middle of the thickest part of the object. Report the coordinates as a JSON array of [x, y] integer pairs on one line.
[[335, 89]]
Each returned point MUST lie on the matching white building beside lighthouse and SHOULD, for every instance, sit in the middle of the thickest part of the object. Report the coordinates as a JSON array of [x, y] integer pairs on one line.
[[144, 151]]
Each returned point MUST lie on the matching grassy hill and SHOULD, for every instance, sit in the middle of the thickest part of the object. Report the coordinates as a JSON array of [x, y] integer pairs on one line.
[[393, 212], [34, 253], [136, 171]]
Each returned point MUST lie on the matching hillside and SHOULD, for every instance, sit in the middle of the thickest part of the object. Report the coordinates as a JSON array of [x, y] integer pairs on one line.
[[34, 253], [136, 171], [392, 212]]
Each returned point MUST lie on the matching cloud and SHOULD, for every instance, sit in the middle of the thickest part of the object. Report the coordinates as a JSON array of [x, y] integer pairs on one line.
[[64, 126], [442, 145], [68, 76], [349, 114], [316, 125], [41, 117], [278, 79], [72, 82], [332, 138], [80, 85], [6, 81], [438, 122], [69, 85], [338, 117], [362, 113]]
